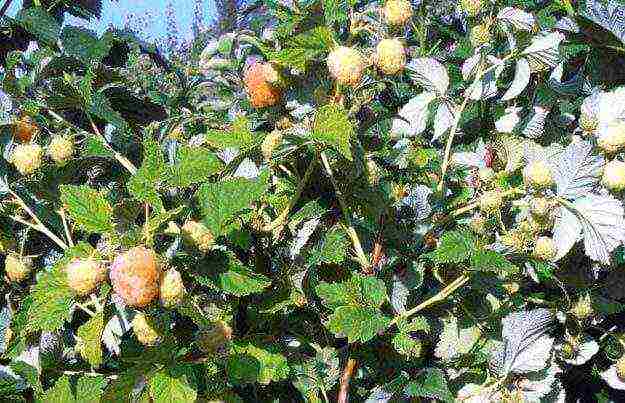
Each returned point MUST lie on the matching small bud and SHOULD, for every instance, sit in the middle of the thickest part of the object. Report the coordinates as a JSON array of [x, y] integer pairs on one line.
[[471, 7], [198, 235], [582, 309], [478, 224], [61, 149], [545, 248], [612, 139], [214, 339], [25, 129], [480, 35], [511, 287], [374, 172], [146, 330], [17, 267], [397, 12], [490, 202], [271, 141], [540, 207], [346, 65], [84, 275], [538, 175], [172, 289], [390, 56], [27, 158], [614, 175], [620, 368]]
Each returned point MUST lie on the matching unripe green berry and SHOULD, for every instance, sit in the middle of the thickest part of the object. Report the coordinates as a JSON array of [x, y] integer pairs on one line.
[[17, 267], [582, 309], [172, 289], [198, 235], [61, 149], [540, 207], [84, 275], [471, 7], [545, 248], [480, 35], [588, 123], [146, 330], [614, 175]]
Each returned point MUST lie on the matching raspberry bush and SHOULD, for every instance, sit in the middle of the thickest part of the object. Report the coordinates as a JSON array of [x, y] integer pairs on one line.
[[329, 201]]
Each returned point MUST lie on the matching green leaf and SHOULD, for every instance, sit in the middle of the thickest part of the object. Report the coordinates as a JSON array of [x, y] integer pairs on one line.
[[332, 249], [430, 384], [304, 48], [143, 186], [90, 340], [88, 208], [221, 201], [172, 385], [454, 247], [333, 127], [358, 324], [359, 290], [84, 45], [122, 387], [488, 260], [101, 108], [94, 147], [61, 392], [196, 165], [240, 281], [89, 389], [239, 136], [318, 373], [335, 11], [39, 23], [249, 363]]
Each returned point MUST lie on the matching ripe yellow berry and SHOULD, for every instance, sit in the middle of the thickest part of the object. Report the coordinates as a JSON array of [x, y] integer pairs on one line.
[[614, 175], [620, 368], [538, 175], [540, 206], [471, 7], [146, 330], [390, 56], [612, 139], [61, 149], [260, 79], [172, 289], [84, 275], [27, 158], [271, 141], [480, 35], [25, 129], [397, 12], [17, 267], [515, 240], [346, 65], [135, 276], [215, 338], [545, 248], [491, 201], [198, 235]]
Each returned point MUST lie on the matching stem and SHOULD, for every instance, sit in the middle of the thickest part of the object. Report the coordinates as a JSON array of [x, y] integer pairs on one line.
[[84, 308], [125, 162], [281, 218], [349, 228], [345, 378], [68, 234], [38, 225], [441, 296]]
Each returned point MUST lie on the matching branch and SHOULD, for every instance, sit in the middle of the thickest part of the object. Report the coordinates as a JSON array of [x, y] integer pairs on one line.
[[345, 378]]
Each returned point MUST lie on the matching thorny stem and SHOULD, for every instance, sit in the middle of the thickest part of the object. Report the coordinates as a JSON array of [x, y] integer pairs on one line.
[[452, 133], [38, 225], [280, 219], [345, 378], [349, 228], [68, 234], [441, 296]]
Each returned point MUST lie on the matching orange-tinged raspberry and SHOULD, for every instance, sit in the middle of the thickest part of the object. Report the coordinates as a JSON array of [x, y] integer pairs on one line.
[[390, 56], [25, 129], [260, 79], [84, 275], [172, 289], [135, 276], [346, 65]]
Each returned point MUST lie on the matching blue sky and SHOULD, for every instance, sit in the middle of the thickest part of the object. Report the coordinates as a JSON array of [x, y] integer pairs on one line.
[[115, 12]]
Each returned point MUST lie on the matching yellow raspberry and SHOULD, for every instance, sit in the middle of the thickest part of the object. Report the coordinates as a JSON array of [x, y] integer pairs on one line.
[[27, 158], [480, 35], [515, 240], [271, 141], [260, 79], [17, 267], [135, 276], [146, 330], [214, 338], [471, 7], [613, 138], [545, 248], [61, 149], [390, 56], [620, 368], [538, 175], [588, 123], [198, 235], [614, 175], [84, 275], [172, 289], [397, 12], [346, 65], [490, 202], [540, 206]]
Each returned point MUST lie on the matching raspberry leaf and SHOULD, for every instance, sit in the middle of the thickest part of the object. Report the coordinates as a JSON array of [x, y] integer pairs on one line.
[[333, 127], [88, 208], [249, 363], [172, 385], [89, 389], [90, 340]]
